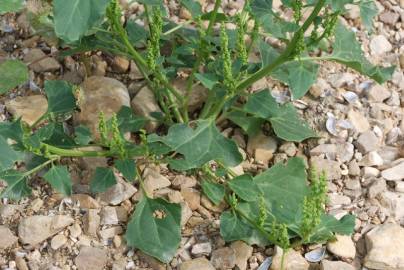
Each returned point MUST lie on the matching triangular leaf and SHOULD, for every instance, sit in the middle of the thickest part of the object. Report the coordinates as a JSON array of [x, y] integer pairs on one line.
[[251, 125], [17, 187], [155, 228], [60, 97], [103, 179], [128, 121], [245, 187], [127, 167], [209, 80], [369, 11], [8, 156], [330, 225], [193, 6], [12, 73], [214, 191], [83, 135], [59, 178]]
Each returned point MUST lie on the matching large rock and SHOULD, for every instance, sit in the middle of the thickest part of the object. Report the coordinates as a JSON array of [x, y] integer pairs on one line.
[[335, 265], [197, 264], [293, 260], [41, 62], [35, 229], [29, 108], [91, 258], [143, 104], [385, 247], [395, 173], [100, 94], [7, 238], [343, 247]]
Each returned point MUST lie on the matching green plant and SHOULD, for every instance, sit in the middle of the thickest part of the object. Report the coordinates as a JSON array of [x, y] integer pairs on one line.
[[276, 206]]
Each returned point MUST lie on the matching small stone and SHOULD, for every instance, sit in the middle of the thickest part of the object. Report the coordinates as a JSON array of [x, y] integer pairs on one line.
[[338, 200], [113, 215], [91, 258], [36, 205], [353, 168], [118, 193], [335, 265], [327, 149], [395, 173], [120, 64], [389, 17], [380, 45], [186, 213], [359, 121], [289, 148], [385, 246], [152, 262], [192, 197], [7, 239], [198, 95], [110, 232], [21, 263], [154, 181], [378, 93], [369, 172], [44, 65], [399, 187], [36, 229], [197, 264], [202, 249], [85, 201], [100, 94], [262, 147], [367, 142], [75, 230], [243, 252], [174, 196], [353, 184], [58, 241], [293, 260], [134, 73], [29, 108], [185, 14], [143, 104], [343, 247], [330, 166], [182, 181], [91, 222], [98, 66], [223, 258], [372, 159]]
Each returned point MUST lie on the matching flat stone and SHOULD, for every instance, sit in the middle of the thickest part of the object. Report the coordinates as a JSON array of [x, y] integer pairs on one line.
[[262, 147], [29, 108], [337, 200], [395, 173], [152, 262], [91, 258], [293, 260], [197, 264], [367, 142], [91, 222], [7, 239], [378, 93], [330, 149], [331, 167], [153, 181], [113, 215], [385, 247], [335, 265], [45, 64], [58, 241], [118, 193], [359, 121], [143, 104], [192, 197], [36, 229], [380, 45], [85, 201], [223, 258], [378, 186], [110, 233], [243, 252], [371, 159], [120, 64], [100, 94], [389, 17], [202, 248], [342, 247]]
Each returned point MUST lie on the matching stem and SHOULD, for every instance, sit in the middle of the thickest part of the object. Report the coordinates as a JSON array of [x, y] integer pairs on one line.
[[179, 26], [75, 152], [40, 167], [283, 259]]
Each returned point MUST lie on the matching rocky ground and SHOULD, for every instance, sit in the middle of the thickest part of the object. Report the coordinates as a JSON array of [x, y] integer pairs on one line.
[[361, 146]]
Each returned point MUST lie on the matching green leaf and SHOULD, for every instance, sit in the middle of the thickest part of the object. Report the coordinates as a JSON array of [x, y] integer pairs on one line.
[[155, 228], [251, 125], [369, 11], [12, 74], [83, 135], [74, 18], [261, 7], [214, 191], [330, 225], [60, 97], [284, 119], [193, 6], [136, 32], [17, 187], [11, 6], [201, 144], [339, 5], [245, 187], [128, 121], [347, 51], [103, 179], [127, 167], [209, 80], [276, 26], [12, 130], [59, 178], [8, 155]]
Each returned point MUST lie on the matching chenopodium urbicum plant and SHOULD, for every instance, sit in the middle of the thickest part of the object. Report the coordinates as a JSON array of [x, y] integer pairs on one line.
[[277, 206]]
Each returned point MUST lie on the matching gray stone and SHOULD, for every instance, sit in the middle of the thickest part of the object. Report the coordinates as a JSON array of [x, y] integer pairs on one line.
[[197, 264], [36, 229], [118, 193], [113, 215], [378, 186], [143, 104], [378, 93], [58, 241], [29, 108], [335, 265], [198, 95], [338, 200], [41, 62], [385, 247], [331, 167], [359, 121], [202, 248], [395, 173], [91, 258], [243, 252], [91, 222], [85, 201], [223, 258], [367, 142], [7, 239], [380, 45], [342, 247]]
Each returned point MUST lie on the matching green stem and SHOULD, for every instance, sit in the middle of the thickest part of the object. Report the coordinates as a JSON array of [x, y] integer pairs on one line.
[[75, 152], [40, 167], [179, 26], [283, 259]]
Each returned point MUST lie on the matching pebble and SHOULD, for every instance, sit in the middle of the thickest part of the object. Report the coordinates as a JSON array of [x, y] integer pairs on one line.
[[380, 45], [153, 181], [338, 200], [242, 252], [58, 241], [7, 239], [197, 264], [192, 197], [367, 142], [378, 93], [331, 167], [395, 173], [113, 215], [91, 258], [46, 64], [262, 147], [359, 121], [389, 17], [143, 104], [85, 201], [118, 193], [198, 95], [335, 265], [120, 64], [342, 247], [293, 260], [378, 186], [36, 229], [223, 258], [29, 108], [385, 247], [91, 222], [202, 249]]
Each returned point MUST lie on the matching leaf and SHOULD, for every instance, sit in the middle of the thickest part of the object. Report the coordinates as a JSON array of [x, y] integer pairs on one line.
[[60, 97], [136, 32], [368, 11], [12, 130], [8, 156], [261, 7], [245, 187], [339, 5], [11, 6], [103, 179], [155, 228], [214, 191], [12, 74], [330, 225], [285, 121], [83, 135], [209, 80], [74, 18], [59, 137], [201, 144], [276, 26], [193, 6], [17, 187], [128, 121], [347, 51], [251, 125], [127, 167], [59, 178], [220, 17]]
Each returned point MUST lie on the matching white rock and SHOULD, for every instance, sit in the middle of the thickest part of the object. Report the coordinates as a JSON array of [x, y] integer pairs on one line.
[[29, 108], [380, 45], [7, 238], [153, 181], [36, 229], [343, 247], [335, 265], [202, 249], [395, 173], [91, 258], [58, 241], [367, 142], [359, 121], [378, 93], [385, 247]]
